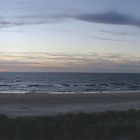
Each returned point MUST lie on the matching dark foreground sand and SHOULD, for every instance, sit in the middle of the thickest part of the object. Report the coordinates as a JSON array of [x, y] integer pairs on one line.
[[52, 104]]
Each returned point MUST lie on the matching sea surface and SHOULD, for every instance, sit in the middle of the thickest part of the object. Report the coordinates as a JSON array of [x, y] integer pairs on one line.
[[68, 82]]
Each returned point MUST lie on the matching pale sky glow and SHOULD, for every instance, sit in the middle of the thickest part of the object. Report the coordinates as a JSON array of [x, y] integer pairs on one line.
[[69, 36]]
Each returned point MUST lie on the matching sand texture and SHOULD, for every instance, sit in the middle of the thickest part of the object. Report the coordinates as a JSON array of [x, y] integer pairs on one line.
[[52, 104]]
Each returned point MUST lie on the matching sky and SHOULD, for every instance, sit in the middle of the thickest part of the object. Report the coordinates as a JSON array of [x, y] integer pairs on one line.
[[70, 36]]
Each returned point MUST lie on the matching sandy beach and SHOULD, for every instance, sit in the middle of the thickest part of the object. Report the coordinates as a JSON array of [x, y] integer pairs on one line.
[[52, 104]]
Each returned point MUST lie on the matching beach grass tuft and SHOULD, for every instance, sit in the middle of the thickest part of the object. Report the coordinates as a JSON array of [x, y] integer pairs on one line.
[[109, 125]]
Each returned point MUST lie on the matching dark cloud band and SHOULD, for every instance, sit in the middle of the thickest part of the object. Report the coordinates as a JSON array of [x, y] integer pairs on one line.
[[113, 18], [110, 18]]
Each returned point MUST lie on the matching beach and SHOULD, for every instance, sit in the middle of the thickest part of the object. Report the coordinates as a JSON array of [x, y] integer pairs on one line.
[[14, 105]]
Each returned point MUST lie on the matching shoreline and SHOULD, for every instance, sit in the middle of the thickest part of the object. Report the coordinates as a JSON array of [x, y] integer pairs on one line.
[[39, 104], [71, 92]]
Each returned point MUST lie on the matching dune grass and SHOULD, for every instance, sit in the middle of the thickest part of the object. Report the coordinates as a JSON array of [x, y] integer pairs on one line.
[[81, 126]]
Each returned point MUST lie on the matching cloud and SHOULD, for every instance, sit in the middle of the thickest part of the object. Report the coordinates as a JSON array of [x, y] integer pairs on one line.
[[103, 38], [110, 18], [119, 33], [113, 18], [89, 62]]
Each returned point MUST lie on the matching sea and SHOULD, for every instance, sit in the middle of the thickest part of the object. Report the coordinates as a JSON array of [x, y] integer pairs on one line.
[[69, 82]]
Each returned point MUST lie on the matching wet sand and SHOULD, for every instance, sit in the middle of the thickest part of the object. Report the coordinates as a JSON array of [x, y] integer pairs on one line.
[[51, 104]]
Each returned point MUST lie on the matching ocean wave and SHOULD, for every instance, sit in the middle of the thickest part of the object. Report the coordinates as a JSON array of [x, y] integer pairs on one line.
[[46, 82], [5, 85]]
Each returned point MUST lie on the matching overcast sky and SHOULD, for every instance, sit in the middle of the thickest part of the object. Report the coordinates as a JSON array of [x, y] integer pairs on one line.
[[70, 35]]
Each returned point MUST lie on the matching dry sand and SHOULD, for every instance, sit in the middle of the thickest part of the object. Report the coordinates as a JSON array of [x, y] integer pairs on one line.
[[52, 104]]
